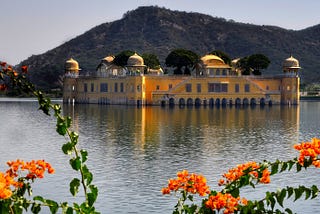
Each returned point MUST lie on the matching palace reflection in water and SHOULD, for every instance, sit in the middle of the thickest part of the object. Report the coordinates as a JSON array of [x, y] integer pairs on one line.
[[153, 125]]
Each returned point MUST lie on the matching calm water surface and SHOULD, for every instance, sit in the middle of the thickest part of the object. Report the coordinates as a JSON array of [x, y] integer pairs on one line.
[[134, 151]]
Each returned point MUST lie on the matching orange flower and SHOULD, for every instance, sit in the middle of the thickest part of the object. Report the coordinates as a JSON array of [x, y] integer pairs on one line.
[[192, 183], [241, 169], [3, 87], [5, 182], [265, 179], [36, 169], [3, 64], [309, 151], [24, 69], [224, 201]]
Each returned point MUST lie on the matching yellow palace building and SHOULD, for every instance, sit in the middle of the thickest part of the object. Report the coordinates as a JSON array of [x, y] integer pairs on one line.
[[214, 83]]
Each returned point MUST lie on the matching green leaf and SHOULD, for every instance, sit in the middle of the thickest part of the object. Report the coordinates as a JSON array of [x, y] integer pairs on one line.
[[74, 137], [315, 191], [36, 208], [84, 155], [291, 163], [283, 167], [69, 210], [299, 167], [68, 122], [235, 192], [274, 168], [38, 198], [289, 211], [280, 197], [290, 191], [67, 148], [74, 186], [57, 109], [53, 206], [298, 192], [61, 128], [75, 163], [87, 174], [308, 193]]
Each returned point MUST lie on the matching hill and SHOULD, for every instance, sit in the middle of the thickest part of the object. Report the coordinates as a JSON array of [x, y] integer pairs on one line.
[[158, 30]]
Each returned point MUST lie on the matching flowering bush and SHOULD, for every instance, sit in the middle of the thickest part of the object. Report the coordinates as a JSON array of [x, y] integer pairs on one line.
[[17, 180], [228, 200]]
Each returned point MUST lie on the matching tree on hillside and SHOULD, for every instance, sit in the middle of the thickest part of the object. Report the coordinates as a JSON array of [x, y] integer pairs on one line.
[[258, 62], [225, 57], [253, 63], [151, 61], [122, 58], [180, 58], [243, 65]]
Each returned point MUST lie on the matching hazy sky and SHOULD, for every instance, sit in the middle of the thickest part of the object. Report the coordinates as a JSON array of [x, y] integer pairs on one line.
[[35, 26]]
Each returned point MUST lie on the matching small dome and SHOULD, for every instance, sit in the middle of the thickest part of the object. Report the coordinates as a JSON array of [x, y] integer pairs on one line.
[[108, 59], [135, 60], [211, 59], [290, 64], [71, 65]]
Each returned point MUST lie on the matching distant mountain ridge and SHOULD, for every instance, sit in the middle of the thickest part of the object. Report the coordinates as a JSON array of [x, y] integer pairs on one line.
[[158, 30]]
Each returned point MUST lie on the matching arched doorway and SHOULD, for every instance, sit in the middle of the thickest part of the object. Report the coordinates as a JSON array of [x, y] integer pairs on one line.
[[197, 102], [189, 102], [217, 101], [211, 102], [171, 102], [253, 101], [262, 101], [182, 102], [224, 102], [245, 101], [238, 102]]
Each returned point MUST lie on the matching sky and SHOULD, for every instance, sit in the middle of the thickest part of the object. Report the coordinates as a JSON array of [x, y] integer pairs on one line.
[[31, 27]]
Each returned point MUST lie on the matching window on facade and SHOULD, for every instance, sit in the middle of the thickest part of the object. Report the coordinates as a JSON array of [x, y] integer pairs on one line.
[[92, 87], [170, 86], [217, 72], [188, 87], [73, 88], [267, 88], [116, 87], [121, 87], [210, 87], [224, 87], [236, 88], [288, 88], [199, 88], [224, 72], [246, 88], [218, 87], [138, 88], [103, 87], [158, 87], [85, 87]]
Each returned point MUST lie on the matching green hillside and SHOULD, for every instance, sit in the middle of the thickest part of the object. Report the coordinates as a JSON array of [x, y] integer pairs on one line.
[[159, 30]]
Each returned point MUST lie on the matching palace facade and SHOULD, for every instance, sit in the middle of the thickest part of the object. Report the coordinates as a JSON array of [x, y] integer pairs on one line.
[[214, 83]]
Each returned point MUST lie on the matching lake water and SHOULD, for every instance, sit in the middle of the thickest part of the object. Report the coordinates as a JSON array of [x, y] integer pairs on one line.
[[134, 151]]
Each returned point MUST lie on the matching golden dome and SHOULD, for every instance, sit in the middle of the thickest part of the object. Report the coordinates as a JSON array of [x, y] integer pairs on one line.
[[108, 59], [290, 64], [135, 60], [211, 60], [71, 65]]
